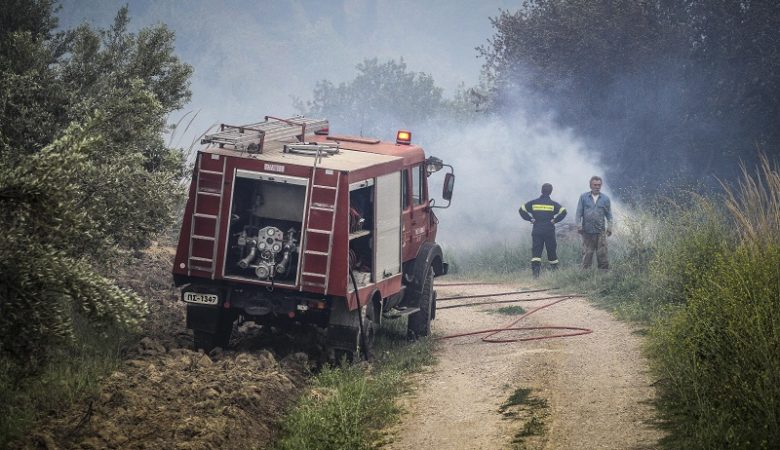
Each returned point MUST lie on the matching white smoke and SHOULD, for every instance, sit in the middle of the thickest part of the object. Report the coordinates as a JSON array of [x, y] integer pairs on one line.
[[500, 163]]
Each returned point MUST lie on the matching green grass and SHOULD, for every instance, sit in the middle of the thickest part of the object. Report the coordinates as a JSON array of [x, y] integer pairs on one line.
[[348, 407], [521, 405], [510, 310], [518, 397], [505, 262], [534, 427], [71, 374]]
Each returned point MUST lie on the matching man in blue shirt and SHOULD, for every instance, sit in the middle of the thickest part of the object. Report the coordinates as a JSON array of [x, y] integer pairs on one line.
[[592, 210]]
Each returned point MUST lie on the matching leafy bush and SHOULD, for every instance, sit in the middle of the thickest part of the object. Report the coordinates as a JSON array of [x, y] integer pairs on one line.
[[49, 225], [89, 179], [85, 178]]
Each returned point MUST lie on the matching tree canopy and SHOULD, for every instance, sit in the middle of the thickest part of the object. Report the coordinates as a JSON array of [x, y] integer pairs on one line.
[[84, 171], [662, 89], [380, 94]]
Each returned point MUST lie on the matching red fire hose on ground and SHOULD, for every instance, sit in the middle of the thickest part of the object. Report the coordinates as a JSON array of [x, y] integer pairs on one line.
[[573, 331]]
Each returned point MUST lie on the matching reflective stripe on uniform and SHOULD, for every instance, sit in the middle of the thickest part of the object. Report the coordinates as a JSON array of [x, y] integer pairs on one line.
[[554, 262], [538, 207], [536, 259], [563, 210], [522, 207]]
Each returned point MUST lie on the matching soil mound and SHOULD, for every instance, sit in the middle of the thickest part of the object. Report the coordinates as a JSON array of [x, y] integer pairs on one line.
[[167, 396], [181, 399]]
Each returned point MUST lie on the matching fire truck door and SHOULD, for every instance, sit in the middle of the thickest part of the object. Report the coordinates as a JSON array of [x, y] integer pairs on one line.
[[388, 226], [415, 211]]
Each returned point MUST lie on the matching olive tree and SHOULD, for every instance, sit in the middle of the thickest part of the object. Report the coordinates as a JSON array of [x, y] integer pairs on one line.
[[84, 172]]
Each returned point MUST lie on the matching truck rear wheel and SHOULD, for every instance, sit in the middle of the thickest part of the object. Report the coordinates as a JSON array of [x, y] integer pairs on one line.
[[369, 328], [356, 342], [207, 341], [420, 322]]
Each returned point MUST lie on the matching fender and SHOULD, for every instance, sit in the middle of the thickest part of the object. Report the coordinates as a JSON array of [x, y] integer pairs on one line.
[[429, 256]]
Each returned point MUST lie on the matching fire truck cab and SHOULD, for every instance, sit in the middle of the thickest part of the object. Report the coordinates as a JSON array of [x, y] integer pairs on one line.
[[286, 223]]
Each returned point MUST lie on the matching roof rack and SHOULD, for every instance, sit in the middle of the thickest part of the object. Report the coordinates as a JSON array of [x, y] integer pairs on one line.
[[312, 148], [251, 138]]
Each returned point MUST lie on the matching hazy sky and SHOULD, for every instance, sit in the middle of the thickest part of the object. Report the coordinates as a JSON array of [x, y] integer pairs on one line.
[[251, 58]]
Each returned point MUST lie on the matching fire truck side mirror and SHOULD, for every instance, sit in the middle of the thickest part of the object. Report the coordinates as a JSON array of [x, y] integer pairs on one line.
[[449, 185]]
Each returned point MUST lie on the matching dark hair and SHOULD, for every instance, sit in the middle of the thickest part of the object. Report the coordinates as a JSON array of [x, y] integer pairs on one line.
[[595, 178], [546, 189]]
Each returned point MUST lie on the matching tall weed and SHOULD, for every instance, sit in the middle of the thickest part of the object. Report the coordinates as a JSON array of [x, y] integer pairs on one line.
[[693, 233], [754, 204], [719, 356]]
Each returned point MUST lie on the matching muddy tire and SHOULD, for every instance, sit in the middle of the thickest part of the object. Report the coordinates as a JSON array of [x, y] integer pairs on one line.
[[370, 326], [206, 341], [420, 322]]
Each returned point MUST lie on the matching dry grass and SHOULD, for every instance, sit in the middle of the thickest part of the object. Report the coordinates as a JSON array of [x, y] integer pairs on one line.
[[754, 204]]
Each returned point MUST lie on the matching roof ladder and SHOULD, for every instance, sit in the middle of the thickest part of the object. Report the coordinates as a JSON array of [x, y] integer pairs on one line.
[[251, 138]]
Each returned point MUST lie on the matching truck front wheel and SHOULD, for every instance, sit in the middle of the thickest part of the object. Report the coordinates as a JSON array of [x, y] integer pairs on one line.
[[420, 322]]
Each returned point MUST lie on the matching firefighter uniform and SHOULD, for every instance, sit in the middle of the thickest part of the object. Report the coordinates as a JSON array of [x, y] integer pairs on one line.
[[544, 213]]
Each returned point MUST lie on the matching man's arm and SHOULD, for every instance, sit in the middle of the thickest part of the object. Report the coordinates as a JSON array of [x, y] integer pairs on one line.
[[560, 215], [578, 215], [524, 212]]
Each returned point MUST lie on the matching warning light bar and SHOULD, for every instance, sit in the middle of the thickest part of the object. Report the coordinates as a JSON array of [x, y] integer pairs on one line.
[[403, 137]]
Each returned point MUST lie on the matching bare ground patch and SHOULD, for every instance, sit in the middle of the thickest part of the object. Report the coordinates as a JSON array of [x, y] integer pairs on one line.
[[596, 387]]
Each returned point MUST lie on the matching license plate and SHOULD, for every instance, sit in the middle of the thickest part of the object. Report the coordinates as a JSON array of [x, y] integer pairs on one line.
[[203, 299]]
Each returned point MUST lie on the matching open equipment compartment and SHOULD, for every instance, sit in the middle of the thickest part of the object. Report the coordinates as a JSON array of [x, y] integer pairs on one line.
[[266, 222], [361, 226]]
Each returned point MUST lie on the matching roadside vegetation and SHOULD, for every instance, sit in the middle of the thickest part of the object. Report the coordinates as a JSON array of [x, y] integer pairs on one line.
[[702, 273], [348, 406], [86, 182]]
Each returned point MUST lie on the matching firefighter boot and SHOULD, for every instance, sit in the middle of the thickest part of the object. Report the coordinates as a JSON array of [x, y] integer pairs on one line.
[[554, 265], [536, 267]]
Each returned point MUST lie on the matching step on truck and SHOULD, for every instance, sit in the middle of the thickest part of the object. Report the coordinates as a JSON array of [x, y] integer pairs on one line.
[[286, 223]]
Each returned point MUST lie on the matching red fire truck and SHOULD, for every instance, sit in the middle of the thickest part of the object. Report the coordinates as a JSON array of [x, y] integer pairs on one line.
[[286, 223]]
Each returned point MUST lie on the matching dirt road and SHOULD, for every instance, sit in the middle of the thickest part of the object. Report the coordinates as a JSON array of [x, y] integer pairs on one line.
[[590, 391]]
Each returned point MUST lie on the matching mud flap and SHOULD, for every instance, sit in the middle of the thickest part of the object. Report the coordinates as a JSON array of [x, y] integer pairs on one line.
[[203, 318], [343, 327]]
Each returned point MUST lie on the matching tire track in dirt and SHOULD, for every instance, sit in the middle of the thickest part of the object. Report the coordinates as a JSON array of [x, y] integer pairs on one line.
[[597, 386]]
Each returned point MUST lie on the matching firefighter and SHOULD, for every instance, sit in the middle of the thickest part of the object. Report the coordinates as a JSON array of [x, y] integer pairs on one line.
[[543, 213]]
